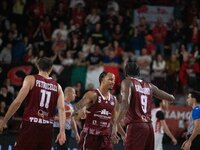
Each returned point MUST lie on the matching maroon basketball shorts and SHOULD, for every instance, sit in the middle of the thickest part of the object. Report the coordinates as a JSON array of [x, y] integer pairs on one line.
[[34, 136], [140, 136], [95, 142]]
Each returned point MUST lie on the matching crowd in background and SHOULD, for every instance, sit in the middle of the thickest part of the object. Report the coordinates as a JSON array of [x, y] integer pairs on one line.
[[102, 32]]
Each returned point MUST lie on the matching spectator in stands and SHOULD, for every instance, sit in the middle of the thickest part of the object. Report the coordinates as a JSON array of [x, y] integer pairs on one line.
[[98, 36], [159, 32], [183, 74], [193, 71], [194, 35], [10, 87], [172, 69], [158, 71], [78, 15], [117, 34], [18, 51], [118, 49], [94, 59], [112, 7], [135, 42], [18, 12], [47, 27], [6, 54], [91, 19], [39, 35], [144, 61], [74, 3], [60, 35], [59, 44], [37, 9], [149, 45], [110, 58], [81, 59], [88, 46], [3, 109], [66, 58], [177, 35], [75, 45], [143, 27], [5, 96], [60, 10]]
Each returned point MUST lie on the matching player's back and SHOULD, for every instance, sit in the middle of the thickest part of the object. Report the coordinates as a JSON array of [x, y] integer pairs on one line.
[[140, 103], [41, 101]]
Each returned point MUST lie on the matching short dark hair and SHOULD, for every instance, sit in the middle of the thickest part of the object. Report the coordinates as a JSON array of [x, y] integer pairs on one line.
[[44, 64], [195, 94], [102, 75], [157, 102], [132, 69]]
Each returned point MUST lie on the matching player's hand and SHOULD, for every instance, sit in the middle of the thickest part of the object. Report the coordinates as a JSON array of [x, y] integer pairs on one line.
[[123, 138], [174, 141], [186, 145], [81, 114], [61, 138], [114, 136], [77, 138]]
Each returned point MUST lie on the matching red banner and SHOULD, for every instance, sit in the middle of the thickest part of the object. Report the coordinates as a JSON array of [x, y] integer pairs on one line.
[[176, 117]]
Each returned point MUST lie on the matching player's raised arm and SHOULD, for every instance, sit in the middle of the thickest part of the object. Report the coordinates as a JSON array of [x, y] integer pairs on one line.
[[158, 93]]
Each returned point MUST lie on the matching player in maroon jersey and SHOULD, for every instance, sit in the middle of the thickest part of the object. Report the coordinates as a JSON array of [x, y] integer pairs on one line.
[[42, 94], [102, 105], [136, 108]]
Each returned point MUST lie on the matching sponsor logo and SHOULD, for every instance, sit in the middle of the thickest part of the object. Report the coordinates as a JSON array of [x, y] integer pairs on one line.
[[40, 120]]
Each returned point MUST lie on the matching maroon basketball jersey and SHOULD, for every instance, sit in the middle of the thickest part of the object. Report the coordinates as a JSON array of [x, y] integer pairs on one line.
[[140, 103], [98, 121], [41, 101]]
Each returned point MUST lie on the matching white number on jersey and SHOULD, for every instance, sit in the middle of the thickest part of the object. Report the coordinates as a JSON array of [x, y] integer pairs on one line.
[[45, 98], [144, 103]]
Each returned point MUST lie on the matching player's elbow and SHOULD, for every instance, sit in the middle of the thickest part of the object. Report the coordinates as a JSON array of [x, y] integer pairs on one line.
[[172, 98]]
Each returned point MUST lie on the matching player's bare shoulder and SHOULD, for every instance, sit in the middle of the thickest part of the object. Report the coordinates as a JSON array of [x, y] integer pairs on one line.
[[29, 81], [127, 82], [91, 96]]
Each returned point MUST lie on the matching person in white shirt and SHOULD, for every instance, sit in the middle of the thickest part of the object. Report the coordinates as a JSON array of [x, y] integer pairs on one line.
[[159, 125]]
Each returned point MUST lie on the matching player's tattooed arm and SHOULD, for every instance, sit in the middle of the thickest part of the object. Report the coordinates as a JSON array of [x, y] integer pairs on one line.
[[161, 94], [86, 101]]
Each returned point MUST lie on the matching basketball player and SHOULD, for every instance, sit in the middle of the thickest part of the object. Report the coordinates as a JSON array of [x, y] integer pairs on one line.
[[101, 104], [159, 124], [69, 94], [41, 94], [193, 133], [136, 105]]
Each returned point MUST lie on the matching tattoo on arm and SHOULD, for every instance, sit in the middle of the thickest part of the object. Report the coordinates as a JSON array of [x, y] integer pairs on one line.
[[85, 101]]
